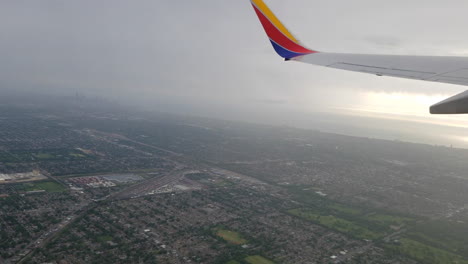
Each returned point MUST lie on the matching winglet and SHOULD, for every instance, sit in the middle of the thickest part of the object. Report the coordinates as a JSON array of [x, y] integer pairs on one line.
[[457, 104], [284, 43]]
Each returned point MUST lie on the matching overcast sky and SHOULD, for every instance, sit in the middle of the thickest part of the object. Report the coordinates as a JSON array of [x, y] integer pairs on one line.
[[210, 56]]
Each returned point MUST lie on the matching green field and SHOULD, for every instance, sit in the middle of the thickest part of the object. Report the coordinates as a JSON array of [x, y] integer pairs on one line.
[[389, 219], [47, 186], [104, 238], [427, 254], [357, 221], [258, 260], [59, 154], [233, 262], [450, 235], [42, 155], [345, 209], [230, 236], [336, 223]]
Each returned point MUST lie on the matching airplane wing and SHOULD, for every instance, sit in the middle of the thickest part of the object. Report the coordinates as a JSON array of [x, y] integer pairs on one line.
[[452, 70]]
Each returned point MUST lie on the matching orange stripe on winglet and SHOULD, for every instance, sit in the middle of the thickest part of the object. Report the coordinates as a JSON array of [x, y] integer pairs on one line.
[[273, 19]]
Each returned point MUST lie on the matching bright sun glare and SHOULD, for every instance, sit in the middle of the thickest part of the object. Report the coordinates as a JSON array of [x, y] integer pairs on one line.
[[406, 106], [399, 103]]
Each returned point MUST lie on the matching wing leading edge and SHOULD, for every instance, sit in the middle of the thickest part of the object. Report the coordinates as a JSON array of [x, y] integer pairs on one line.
[[452, 70]]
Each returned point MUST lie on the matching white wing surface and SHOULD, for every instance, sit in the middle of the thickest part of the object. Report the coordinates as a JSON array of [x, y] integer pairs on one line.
[[453, 70]]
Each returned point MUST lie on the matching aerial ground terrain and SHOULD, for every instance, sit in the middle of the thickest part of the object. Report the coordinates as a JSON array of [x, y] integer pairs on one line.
[[88, 184]]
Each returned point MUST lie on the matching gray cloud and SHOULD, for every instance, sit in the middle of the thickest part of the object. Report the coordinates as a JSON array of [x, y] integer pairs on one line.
[[384, 41], [214, 53]]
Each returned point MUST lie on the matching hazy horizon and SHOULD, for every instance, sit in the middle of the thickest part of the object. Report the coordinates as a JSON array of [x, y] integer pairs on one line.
[[358, 125]]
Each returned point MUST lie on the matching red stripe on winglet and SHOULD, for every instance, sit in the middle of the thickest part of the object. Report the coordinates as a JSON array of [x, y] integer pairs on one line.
[[278, 37]]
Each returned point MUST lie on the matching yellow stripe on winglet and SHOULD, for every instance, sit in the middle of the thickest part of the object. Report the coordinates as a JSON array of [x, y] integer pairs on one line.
[[273, 19]]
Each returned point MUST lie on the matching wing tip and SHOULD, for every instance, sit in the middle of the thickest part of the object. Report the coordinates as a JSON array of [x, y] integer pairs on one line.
[[457, 104], [284, 43]]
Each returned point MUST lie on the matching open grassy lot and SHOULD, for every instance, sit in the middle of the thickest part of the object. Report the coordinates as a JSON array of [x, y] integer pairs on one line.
[[432, 242], [336, 223], [230, 236], [345, 209], [48, 186], [387, 220], [258, 260], [427, 254], [450, 235], [378, 222], [104, 238]]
